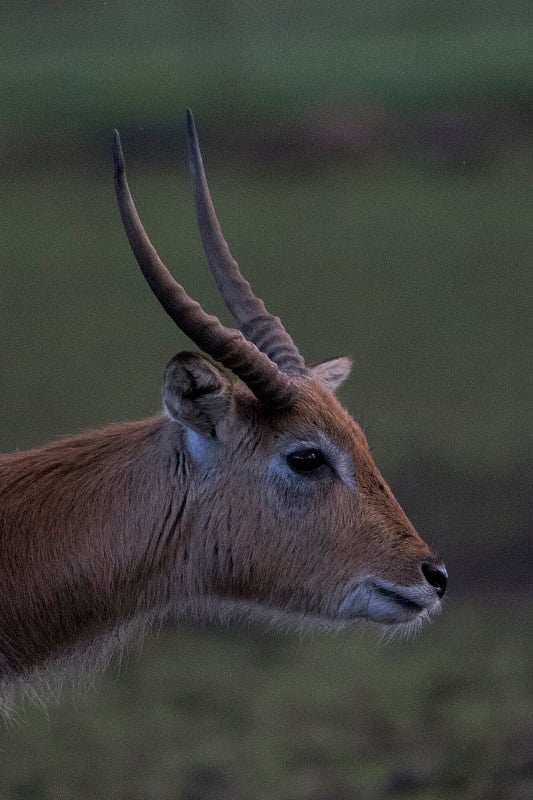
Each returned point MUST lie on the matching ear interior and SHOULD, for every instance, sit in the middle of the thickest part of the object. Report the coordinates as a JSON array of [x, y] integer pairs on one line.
[[196, 393], [332, 373]]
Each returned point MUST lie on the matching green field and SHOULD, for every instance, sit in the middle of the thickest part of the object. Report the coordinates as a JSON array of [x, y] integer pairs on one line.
[[371, 164]]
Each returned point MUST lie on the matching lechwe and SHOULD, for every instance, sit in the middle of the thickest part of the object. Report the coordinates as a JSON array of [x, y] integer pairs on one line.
[[256, 494]]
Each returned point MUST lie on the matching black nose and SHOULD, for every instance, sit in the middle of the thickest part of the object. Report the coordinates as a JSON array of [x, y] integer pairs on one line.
[[436, 576]]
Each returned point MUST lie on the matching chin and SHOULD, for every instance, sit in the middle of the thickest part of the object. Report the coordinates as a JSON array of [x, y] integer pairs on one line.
[[392, 610], [396, 608]]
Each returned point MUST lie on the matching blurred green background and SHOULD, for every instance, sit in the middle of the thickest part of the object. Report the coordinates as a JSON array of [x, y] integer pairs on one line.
[[371, 165]]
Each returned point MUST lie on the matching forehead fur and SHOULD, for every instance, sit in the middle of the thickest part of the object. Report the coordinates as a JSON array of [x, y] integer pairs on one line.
[[315, 409], [317, 405]]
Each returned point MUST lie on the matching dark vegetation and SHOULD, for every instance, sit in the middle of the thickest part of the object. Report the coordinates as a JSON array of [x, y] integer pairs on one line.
[[371, 164]]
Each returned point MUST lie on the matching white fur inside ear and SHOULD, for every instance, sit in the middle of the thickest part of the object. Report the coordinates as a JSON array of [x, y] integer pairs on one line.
[[198, 446], [332, 373]]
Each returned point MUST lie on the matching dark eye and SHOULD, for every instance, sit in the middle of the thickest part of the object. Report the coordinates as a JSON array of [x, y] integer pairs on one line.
[[305, 461]]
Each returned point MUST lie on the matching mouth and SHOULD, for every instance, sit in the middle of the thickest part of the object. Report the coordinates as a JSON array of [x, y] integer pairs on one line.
[[388, 603]]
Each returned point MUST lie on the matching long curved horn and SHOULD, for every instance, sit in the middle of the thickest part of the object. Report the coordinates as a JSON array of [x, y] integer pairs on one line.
[[226, 345], [251, 315]]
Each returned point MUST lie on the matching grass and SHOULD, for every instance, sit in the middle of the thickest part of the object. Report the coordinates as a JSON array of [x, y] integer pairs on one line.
[[242, 714], [82, 68]]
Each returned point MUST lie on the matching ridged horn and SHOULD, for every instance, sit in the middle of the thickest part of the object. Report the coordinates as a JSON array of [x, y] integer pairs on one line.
[[226, 345], [254, 320]]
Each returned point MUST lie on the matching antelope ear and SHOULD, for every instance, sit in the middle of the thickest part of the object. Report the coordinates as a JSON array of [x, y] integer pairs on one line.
[[332, 373], [196, 393]]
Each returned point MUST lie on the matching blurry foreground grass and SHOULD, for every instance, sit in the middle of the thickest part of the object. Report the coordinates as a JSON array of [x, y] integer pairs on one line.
[[258, 716]]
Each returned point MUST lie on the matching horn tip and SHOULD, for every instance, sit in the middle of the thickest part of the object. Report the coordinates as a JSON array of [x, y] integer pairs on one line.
[[118, 155], [190, 121], [192, 142]]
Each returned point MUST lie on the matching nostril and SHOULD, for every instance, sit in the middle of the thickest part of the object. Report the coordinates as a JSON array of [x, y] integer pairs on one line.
[[436, 576]]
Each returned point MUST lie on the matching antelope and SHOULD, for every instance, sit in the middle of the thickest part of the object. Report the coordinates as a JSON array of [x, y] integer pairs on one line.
[[252, 493]]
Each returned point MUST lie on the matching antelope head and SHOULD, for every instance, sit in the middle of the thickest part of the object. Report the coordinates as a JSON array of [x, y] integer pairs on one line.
[[285, 509]]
